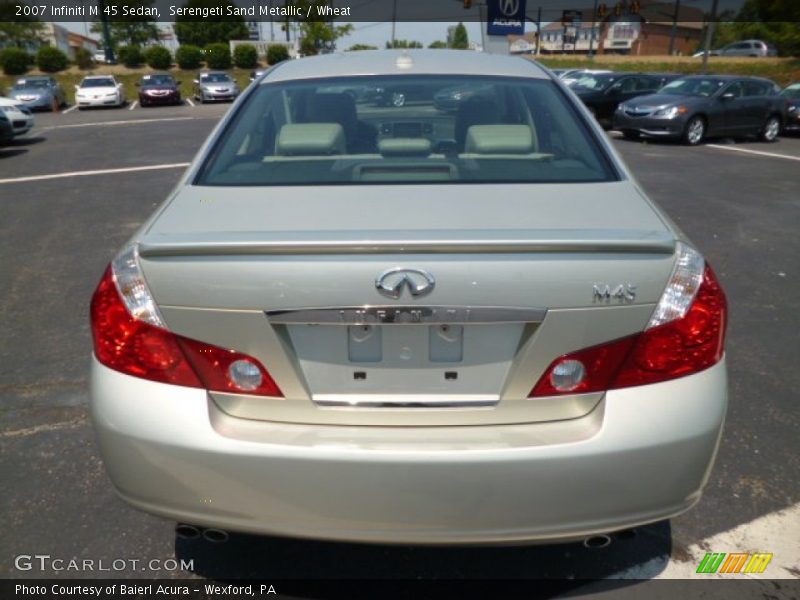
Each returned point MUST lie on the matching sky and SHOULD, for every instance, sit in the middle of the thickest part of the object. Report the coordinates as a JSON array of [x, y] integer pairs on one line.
[[374, 34]]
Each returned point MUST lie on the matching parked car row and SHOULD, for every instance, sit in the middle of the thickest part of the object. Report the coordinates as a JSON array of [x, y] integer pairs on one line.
[[688, 108]]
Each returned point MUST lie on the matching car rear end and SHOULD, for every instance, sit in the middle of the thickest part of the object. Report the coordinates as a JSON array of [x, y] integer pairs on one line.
[[381, 353]]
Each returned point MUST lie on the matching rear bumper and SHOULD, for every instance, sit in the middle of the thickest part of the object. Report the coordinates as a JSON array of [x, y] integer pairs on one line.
[[642, 455]]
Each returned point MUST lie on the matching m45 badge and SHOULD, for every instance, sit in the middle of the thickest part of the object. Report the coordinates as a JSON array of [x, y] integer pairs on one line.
[[623, 292]]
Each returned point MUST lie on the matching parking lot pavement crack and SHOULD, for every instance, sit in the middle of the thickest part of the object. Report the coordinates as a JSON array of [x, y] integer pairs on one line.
[[44, 428]]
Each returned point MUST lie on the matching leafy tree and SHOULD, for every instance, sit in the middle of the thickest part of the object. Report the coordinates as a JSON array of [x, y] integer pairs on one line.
[[84, 59], [130, 56], [18, 31], [437, 45], [776, 21], [15, 61], [128, 30], [245, 56], [158, 57], [218, 56], [357, 47], [51, 60], [216, 30], [189, 57], [316, 34], [277, 53], [460, 38], [404, 44]]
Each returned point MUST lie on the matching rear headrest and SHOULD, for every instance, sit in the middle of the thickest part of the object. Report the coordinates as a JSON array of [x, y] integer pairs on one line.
[[333, 108], [499, 139], [310, 139]]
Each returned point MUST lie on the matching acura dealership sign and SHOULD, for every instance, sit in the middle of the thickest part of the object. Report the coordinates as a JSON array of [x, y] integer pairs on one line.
[[505, 17]]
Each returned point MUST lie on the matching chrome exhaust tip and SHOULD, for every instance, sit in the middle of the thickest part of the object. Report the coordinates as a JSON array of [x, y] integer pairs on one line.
[[187, 532], [216, 536], [596, 542]]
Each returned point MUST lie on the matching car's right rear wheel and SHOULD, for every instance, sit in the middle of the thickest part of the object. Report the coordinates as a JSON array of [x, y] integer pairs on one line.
[[695, 131]]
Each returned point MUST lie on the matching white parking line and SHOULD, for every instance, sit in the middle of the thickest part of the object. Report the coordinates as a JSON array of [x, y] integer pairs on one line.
[[189, 100], [756, 152], [70, 109], [133, 104], [128, 122], [776, 533], [97, 172]]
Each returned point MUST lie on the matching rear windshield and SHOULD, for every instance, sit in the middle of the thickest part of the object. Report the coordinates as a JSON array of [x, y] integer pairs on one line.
[[405, 129]]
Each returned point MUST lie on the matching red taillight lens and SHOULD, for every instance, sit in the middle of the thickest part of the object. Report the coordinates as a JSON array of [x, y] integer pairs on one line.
[[131, 346], [681, 347]]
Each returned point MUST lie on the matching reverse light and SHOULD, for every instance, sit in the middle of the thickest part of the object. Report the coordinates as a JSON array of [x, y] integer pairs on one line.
[[685, 335], [130, 336]]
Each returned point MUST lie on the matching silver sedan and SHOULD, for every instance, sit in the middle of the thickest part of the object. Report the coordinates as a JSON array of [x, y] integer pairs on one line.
[[411, 326]]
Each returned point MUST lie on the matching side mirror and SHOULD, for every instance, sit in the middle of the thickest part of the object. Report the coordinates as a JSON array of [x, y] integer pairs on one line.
[[177, 83], [137, 84], [77, 87], [195, 81]]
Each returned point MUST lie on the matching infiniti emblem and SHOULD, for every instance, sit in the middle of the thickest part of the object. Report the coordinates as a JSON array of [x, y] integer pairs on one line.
[[391, 283], [508, 7]]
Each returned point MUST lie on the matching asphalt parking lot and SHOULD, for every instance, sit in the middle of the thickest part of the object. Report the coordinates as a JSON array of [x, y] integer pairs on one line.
[[79, 185]]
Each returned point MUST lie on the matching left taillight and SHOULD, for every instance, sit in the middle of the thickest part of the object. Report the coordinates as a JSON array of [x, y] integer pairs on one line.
[[130, 337], [685, 335]]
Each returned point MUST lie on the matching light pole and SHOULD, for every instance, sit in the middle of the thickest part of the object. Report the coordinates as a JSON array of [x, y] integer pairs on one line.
[[709, 35], [591, 33]]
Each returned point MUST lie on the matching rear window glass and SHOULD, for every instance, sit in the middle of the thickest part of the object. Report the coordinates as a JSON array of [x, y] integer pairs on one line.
[[405, 129]]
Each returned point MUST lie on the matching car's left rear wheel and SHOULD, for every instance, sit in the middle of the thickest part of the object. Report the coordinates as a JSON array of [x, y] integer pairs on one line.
[[771, 129]]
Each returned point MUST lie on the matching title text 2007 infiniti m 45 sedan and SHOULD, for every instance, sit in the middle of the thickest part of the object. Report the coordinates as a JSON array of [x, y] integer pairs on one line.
[[409, 325]]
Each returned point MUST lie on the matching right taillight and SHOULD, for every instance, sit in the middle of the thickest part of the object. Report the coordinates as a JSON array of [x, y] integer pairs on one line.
[[686, 334], [130, 337]]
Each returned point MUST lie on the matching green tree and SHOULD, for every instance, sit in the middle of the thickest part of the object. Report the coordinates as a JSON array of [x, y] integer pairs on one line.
[[245, 56], [218, 56], [437, 45], [158, 57], [15, 61], [83, 59], [277, 53], [357, 47], [460, 38], [18, 31], [216, 30], [775, 21], [130, 56], [404, 44], [51, 60], [189, 57], [316, 34], [128, 30]]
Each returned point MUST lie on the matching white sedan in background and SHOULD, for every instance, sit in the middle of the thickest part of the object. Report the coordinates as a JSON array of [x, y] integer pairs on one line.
[[99, 90], [19, 116]]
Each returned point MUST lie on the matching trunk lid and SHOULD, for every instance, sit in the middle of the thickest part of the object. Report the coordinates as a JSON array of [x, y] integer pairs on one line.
[[522, 275]]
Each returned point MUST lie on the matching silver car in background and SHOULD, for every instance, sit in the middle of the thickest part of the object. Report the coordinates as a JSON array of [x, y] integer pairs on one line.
[[215, 86], [415, 325], [39, 93]]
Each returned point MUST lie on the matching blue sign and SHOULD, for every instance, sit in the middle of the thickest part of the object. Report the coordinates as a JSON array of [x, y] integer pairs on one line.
[[505, 17]]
